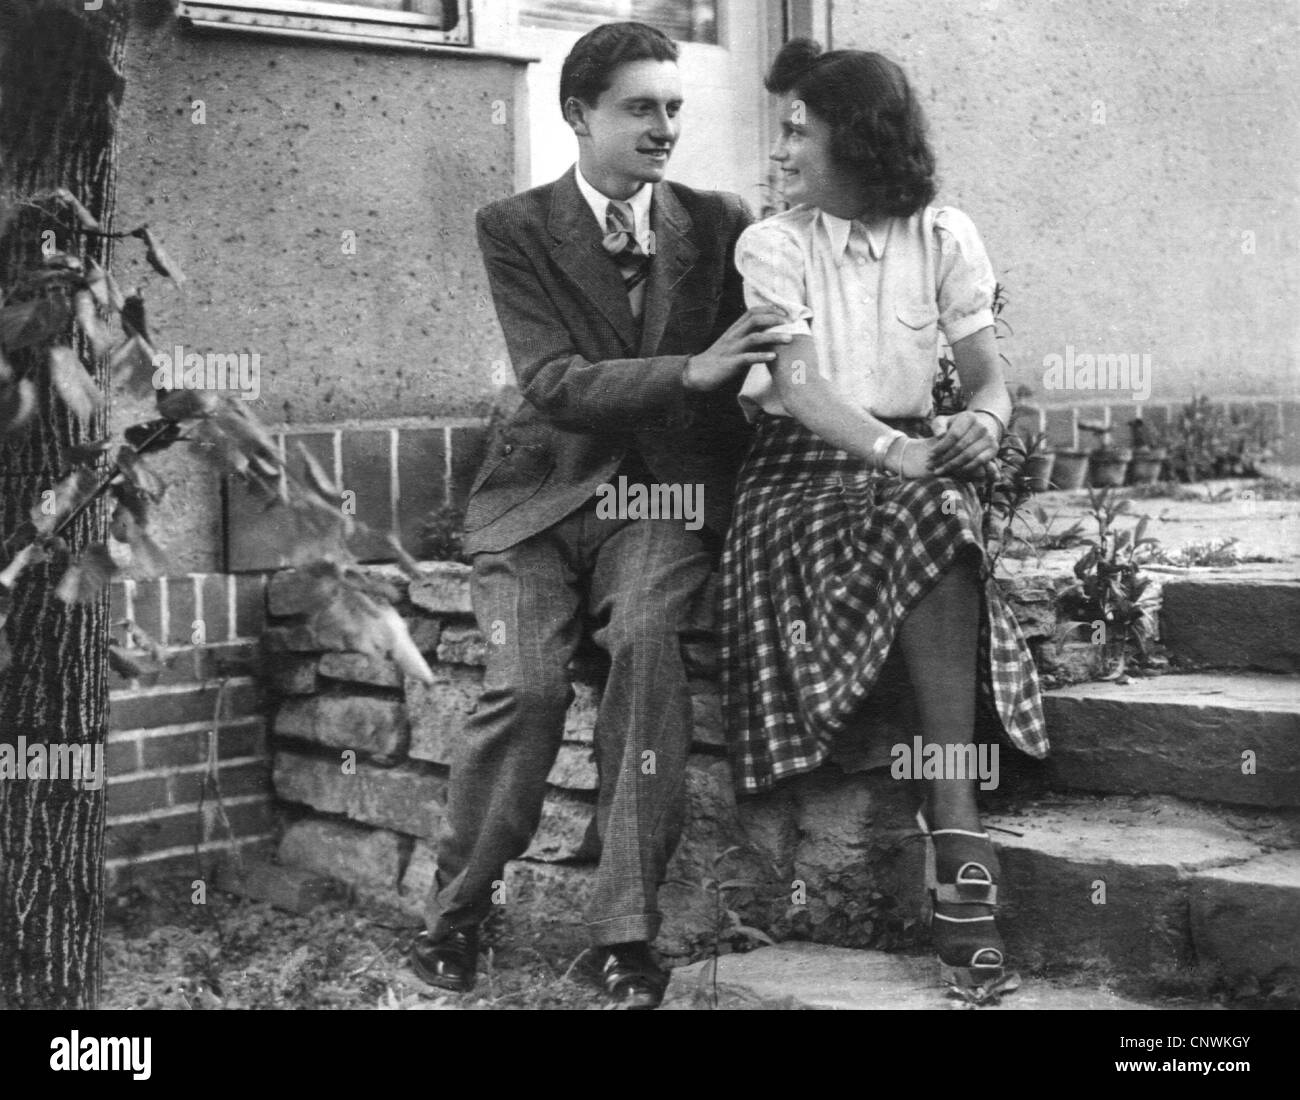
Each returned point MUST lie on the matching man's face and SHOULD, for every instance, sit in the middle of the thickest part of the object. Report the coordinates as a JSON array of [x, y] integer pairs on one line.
[[627, 136]]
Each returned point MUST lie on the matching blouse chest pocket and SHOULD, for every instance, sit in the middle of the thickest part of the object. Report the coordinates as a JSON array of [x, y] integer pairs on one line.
[[918, 324]]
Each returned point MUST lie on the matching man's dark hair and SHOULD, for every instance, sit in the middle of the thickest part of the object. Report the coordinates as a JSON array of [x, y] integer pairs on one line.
[[877, 125], [589, 68]]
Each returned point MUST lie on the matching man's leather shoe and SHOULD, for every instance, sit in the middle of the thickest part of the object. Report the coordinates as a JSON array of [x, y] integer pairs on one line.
[[448, 963], [631, 978]]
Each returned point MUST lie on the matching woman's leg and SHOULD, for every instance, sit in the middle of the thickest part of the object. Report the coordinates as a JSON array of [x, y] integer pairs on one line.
[[940, 645]]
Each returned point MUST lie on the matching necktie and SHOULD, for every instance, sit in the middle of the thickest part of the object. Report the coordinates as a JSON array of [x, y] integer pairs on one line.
[[621, 244]]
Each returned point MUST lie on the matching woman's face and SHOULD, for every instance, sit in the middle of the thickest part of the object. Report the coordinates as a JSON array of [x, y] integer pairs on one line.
[[803, 154]]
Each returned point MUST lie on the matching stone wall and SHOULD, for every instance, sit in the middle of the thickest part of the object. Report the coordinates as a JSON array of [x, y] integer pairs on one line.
[[361, 756]]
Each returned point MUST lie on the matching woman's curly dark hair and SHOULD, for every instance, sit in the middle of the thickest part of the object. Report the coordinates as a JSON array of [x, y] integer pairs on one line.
[[877, 126]]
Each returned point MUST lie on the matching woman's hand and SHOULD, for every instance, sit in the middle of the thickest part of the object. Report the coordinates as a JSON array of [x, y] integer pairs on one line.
[[965, 445], [911, 457]]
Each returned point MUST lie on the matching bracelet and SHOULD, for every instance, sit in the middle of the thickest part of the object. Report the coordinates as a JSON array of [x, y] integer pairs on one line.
[[902, 451], [880, 449], [1002, 428]]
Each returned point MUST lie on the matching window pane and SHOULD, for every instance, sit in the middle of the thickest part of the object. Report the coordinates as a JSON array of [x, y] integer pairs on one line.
[[442, 12], [684, 20]]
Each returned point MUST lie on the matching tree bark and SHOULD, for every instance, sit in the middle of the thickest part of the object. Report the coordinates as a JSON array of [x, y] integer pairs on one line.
[[60, 86]]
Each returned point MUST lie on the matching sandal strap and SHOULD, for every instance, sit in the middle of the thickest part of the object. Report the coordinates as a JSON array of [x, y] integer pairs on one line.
[[984, 893]]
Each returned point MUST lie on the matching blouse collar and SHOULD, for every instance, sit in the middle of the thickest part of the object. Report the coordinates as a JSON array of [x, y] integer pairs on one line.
[[839, 229]]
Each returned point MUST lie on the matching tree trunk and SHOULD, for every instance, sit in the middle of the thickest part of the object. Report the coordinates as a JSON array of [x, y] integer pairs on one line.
[[60, 86]]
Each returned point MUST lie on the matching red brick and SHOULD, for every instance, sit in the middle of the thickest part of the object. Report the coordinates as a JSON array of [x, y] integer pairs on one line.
[[130, 710], [253, 777], [216, 607], [176, 872], [421, 481], [121, 755], [468, 448], [250, 605], [136, 795], [181, 749], [368, 473], [148, 608], [181, 611], [185, 828]]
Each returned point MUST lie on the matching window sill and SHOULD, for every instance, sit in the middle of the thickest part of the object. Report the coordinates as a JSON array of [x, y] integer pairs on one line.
[[380, 30]]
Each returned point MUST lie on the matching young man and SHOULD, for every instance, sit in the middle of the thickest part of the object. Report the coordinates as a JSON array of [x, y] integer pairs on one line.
[[625, 322]]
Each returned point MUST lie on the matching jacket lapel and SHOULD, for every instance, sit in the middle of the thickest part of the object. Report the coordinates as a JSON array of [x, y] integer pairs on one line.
[[578, 251], [674, 253]]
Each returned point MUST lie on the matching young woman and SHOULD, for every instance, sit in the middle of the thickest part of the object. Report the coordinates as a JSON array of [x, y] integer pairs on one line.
[[857, 524]]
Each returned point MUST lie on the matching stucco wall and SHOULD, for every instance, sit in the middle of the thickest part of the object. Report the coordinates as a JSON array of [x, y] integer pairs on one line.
[[302, 142], [1122, 236]]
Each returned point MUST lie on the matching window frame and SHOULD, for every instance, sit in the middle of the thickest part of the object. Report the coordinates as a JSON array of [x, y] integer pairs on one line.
[[344, 22]]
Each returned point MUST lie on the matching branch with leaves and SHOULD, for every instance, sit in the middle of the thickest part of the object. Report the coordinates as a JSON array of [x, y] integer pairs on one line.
[[65, 298]]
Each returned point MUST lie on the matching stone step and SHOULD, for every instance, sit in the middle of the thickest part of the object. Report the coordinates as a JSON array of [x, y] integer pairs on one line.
[[1151, 885], [1212, 736], [1237, 618], [815, 976]]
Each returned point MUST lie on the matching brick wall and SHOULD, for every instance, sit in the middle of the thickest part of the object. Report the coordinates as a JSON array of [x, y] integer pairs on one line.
[[161, 728]]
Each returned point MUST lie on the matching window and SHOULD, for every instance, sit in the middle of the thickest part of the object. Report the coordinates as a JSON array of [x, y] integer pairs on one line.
[[432, 22], [684, 20]]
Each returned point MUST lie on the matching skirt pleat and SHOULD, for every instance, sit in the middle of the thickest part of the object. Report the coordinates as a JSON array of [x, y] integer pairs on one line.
[[824, 560]]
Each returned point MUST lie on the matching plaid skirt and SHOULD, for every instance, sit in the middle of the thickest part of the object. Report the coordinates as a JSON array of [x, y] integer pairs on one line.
[[824, 560]]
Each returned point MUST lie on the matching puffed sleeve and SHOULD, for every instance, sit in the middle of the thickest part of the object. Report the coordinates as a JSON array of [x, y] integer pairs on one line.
[[965, 276], [769, 261]]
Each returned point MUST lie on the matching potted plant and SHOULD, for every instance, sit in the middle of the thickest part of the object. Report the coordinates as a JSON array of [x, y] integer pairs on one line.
[[1039, 462], [1107, 464], [1198, 440], [1247, 438], [1149, 453], [1069, 469]]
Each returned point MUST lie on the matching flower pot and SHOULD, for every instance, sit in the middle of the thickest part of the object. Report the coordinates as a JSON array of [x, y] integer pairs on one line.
[[1069, 470], [1038, 471], [1146, 466], [1106, 469]]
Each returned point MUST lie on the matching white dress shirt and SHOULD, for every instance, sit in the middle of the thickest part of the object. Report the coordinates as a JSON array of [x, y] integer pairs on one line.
[[873, 297], [640, 203]]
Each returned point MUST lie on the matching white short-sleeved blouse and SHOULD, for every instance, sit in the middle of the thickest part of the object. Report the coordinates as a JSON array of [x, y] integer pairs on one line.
[[873, 297]]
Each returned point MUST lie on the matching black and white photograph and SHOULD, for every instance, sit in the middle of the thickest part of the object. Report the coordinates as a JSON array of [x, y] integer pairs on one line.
[[651, 505]]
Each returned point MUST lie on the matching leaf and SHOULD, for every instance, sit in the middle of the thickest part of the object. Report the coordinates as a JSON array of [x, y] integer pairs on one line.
[[84, 216], [86, 577], [83, 310], [132, 310], [27, 324], [152, 435], [102, 288], [157, 258], [316, 478], [130, 365], [17, 403], [86, 454], [188, 404], [753, 934], [69, 492], [134, 664], [402, 650], [74, 386]]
